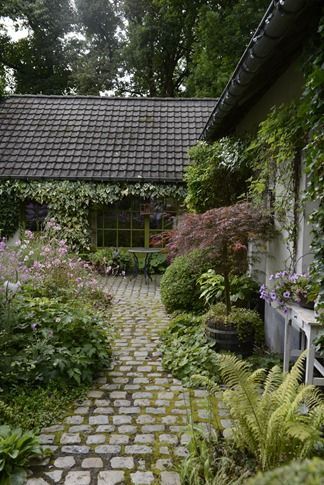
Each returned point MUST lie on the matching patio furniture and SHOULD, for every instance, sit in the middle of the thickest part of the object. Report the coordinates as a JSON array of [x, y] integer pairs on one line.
[[148, 256], [303, 320]]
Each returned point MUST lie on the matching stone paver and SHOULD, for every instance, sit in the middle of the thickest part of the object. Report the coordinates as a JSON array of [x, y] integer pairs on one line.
[[131, 427]]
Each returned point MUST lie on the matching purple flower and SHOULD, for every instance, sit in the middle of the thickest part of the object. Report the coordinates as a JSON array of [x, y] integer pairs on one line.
[[34, 326], [273, 295], [286, 294]]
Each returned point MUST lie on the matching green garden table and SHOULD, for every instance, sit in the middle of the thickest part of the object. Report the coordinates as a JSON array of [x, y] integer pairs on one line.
[[148, 256]]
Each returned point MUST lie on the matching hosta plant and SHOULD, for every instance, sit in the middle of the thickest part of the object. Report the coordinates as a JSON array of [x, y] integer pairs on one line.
[[17, 448], [275, 418]]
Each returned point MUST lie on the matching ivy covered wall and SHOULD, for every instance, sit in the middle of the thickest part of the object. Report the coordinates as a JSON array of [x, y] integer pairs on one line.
[[69, 202]]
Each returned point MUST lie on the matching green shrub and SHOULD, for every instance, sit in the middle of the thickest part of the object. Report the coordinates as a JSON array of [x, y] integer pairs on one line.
[[179, 289], [307, 472], [244, 290], [186, 350], [52, 340], [16, 450]]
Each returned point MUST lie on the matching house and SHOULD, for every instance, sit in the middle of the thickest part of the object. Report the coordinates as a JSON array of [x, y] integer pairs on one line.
[[270, 73], [120, 146]]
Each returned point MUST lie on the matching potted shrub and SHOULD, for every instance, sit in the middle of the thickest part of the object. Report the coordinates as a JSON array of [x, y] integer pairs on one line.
[[237, 331], [224, 233]]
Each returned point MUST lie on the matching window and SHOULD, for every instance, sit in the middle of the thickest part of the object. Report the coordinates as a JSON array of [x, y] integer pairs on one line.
[[124, 225], [35, 215], [121, 225]]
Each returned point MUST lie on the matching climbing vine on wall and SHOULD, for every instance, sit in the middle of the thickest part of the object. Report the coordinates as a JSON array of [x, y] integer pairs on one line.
[[69, 201], [9, 214], [217, 174], [312, 107], [275, 159], [291, 131]]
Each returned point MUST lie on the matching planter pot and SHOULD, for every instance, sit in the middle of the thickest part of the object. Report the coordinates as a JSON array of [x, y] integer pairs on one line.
[[307, 304], [226, 338]]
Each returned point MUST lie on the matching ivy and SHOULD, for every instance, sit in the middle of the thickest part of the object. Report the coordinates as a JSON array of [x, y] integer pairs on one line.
[[9, 214], [289, 132], [275, 159], [69, 202], [217, 174], [311, 109]]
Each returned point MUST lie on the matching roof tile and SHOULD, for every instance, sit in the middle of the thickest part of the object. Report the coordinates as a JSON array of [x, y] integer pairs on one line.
[[99, 137]]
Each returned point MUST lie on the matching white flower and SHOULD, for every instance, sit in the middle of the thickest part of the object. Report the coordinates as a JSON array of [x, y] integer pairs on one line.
[[12, 287]]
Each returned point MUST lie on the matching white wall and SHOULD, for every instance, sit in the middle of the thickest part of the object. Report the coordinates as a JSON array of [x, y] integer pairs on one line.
[[276, 255]]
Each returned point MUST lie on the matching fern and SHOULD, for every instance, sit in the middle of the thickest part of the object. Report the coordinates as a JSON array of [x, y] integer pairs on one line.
[[275, 418]]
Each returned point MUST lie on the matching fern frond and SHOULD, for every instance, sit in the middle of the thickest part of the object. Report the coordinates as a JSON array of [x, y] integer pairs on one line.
[[292, 380], [206, 383], [273, 380], [257, 376]]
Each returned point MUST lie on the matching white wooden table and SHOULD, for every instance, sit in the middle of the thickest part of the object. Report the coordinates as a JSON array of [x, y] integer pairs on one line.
[[303, 320]]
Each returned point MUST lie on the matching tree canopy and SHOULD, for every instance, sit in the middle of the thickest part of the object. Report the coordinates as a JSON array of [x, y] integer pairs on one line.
[[144, 47]]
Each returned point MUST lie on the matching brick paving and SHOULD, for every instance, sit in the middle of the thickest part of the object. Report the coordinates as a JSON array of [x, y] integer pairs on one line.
[[131, 428]]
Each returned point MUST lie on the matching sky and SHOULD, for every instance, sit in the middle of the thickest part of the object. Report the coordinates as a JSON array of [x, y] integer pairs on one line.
[[11, 30]]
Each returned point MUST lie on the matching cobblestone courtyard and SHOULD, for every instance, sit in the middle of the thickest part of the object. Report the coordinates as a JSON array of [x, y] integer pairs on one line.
[[131, 428]]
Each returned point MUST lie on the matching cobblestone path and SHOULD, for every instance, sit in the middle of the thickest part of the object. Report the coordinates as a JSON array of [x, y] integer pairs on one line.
[[131, 428]]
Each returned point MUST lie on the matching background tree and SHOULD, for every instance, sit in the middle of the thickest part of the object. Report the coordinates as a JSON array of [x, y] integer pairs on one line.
[[96, 56], [159, 40], [223, 30], [38, 61]]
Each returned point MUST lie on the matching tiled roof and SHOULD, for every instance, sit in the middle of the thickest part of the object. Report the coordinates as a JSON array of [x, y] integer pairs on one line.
[[99, 138]]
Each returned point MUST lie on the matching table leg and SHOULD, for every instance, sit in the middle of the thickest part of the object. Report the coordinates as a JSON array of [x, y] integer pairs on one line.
[[287, 344], [310, 357], [146, 268], [136, 265]]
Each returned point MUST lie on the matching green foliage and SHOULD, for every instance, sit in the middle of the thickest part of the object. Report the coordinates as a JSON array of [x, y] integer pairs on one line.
[[16, 450], [223, 29], [186, 350], [159, 38], [247, 322], [275, 159], [9, 214], [110, 260], [179, 289], [307, 472], [69, 201], [95, 68], [311, 111], [213, 460], [52, 340], [33, 409], [243, 288], [217, 174], [39, 61], [279, 424]]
